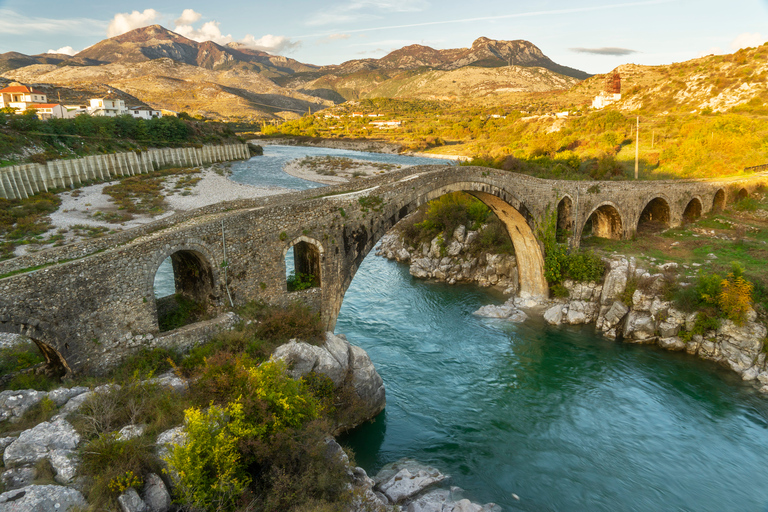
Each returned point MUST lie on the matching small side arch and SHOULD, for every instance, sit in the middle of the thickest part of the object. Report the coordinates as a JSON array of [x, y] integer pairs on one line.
[[742, 194], [55, 363], [308, 256], [195, 279], [604, 221], [565, 219], [656, 215], [692, 211], [718, 203]]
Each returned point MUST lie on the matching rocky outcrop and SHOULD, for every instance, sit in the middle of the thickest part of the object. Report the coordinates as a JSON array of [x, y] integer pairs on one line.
[[410, 486], [42, 498], [454, 261], [648, 319], [55, 441], [343, 363]]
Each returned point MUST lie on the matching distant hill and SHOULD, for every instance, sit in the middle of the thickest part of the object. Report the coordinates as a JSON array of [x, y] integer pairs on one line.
[[155, 42], [487, 53], [167, 70]]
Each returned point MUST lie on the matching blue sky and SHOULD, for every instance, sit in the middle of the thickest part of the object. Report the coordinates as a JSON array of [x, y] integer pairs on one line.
[[594, 36]]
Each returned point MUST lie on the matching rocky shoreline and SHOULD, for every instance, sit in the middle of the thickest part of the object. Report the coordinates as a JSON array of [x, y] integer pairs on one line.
[[404, 485], [640, 316], [454, 261], [372, 146]]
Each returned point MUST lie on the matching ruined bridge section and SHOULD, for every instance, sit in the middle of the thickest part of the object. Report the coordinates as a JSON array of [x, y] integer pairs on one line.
[[88, 312]]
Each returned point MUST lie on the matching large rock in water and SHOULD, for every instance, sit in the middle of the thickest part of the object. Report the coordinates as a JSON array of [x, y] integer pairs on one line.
[[343, 363], [42, 498]]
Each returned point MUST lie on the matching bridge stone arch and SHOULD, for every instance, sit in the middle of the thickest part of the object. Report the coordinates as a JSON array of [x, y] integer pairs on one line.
[[566, 220], [308, 258], [718, 201], [656, 211], [510, 210], [49, 346], [195, 273], [693, 210], [606, 221], [740, 194]]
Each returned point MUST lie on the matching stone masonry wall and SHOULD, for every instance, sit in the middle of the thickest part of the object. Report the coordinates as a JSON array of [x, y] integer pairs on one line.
[[89, 308]]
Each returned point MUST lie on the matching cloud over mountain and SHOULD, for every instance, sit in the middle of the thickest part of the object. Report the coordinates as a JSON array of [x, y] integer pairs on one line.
[[605, 50]]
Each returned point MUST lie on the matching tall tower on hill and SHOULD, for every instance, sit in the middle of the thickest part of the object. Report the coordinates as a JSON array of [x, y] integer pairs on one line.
[[613, 83]]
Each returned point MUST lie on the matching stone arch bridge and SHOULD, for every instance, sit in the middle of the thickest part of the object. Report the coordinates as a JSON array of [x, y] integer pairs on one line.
[[88, 304]]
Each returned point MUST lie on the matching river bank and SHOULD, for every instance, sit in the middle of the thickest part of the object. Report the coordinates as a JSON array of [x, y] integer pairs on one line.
[[83, 211], [372, 146], [630, 304]]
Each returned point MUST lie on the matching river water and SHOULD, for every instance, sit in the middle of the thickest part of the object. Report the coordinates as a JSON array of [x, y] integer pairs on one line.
[[561, 417]]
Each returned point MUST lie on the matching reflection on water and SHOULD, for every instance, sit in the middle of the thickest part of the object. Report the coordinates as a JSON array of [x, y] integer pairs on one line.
[[563, 418]]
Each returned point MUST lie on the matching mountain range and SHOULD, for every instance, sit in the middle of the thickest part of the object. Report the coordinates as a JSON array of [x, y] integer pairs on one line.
[[167, 70], [163, 69]]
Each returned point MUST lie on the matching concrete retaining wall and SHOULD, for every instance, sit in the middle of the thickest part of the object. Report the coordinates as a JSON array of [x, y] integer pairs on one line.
[[22, 181]]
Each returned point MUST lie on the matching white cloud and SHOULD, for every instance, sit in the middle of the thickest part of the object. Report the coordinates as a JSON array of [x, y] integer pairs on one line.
[[747, 40], [270, 43], [188, 17], [125, 22], [66, 50], [210, 31], [13, 23]]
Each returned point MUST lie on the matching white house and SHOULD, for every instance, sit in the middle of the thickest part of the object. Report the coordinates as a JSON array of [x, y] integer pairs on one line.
[[605, 98], [144, 112], [19, 97], [386, 124], [110, 107], [47, 111]]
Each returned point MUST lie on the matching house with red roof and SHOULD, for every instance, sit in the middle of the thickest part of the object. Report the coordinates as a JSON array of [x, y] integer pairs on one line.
[[20, 97], [47, 111]]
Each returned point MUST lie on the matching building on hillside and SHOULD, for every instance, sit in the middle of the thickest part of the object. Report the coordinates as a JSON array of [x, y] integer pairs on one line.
[[47, 111], [144, 112], [19, 97], [386, 124], [107, 106], [611, 94]]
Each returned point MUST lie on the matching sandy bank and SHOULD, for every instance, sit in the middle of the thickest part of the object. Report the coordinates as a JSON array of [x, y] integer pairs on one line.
[[323, 170], [82, 210], [372, 146]]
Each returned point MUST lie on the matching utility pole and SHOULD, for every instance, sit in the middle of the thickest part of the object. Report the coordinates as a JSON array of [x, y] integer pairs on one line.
[[637, 146]]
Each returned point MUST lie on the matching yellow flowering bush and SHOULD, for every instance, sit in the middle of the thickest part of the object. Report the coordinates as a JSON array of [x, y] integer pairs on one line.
[[121, 483], [735, 298], [209, 469]]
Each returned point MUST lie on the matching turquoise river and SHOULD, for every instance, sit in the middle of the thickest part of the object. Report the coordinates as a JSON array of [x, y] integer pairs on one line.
[[560, 417]]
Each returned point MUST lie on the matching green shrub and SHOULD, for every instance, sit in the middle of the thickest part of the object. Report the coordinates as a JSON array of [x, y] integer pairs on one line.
[[298, 281], [106, 461], [223, 442], [705, 321], [559, 291], [184, 312], [584, 266], [295, 321]]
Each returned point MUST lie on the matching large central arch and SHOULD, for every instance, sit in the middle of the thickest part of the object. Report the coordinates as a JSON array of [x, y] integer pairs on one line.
[[511, 211]]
